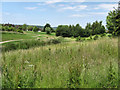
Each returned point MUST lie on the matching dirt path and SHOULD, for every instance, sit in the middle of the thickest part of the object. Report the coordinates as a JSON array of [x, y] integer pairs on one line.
[[8, 41]]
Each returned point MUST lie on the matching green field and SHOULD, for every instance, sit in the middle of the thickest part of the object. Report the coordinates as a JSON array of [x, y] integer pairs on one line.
[[89, 64], [26, 35]]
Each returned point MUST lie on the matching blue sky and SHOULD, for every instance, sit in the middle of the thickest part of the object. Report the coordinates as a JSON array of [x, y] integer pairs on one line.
[[55, 13]]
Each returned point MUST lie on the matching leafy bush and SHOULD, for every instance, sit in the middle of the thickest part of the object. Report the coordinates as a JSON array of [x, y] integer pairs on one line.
[[96, 37], [110, 36], [55, 41], [35, 29], [20, 31], [90, 36], [29, 44], [78, 38], [103, 35]]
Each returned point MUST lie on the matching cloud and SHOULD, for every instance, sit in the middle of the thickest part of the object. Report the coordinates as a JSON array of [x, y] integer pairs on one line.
[[77, 15], [31, 8], [107, 6], [75, 8], [53, 1], [48, 2], [89, 14], [99, 13]]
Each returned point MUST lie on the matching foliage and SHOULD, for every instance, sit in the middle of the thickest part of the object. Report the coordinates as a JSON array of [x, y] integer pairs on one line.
[[29, 44], [75, 31], [30, 28], [24, 27], [20, 31], [78, 38], [48, 26], [96, 37], [48, 30], [35, 29], [102, 35], [113, 20]]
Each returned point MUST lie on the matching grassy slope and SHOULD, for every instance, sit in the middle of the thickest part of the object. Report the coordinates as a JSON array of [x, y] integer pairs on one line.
[[27, 35], [86, 63]]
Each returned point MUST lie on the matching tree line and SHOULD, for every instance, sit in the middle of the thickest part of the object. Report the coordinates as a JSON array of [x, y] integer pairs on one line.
[[112, 24], [77, 30], [19, 28]]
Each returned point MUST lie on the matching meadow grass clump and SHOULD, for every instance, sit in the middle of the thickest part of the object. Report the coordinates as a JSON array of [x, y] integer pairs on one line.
[[63, 65]]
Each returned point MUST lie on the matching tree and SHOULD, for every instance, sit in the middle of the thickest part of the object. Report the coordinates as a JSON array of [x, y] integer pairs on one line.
[[48, 30], [24, 27], [30, 28], [118, 22], [47, 25], [112, 23], [88, 29], [35, 29]]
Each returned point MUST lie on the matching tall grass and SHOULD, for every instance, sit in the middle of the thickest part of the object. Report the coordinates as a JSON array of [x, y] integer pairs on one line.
[[26, 44], [91, 64]]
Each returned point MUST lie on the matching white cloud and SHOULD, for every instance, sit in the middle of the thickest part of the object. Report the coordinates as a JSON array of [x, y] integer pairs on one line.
[[48, 2], [75, 8], [31, 8], [77, 15], [89, 14], [99, 13], [51, 1], [107, 6]]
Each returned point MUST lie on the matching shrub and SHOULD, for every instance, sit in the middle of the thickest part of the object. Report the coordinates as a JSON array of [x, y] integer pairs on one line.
[[103, 35], [78, 38], [20, 31], [109, 36], [28, 44], [96, 37], [54, 41], [35, 29], [90, 36]]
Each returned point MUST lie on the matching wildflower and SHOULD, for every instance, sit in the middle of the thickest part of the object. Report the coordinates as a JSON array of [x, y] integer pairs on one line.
[[30, 65]]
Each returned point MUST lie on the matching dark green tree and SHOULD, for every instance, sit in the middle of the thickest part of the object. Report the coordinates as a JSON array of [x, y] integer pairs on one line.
[[35, 29], [113, 22], [24, 27], [47, 25], [48, 30]]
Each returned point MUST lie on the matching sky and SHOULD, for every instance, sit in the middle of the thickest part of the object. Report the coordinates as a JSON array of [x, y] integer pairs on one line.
[[56, 12]]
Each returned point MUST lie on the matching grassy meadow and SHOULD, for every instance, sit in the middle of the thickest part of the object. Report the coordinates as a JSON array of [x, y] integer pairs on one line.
[[89, 64], [26, 35]]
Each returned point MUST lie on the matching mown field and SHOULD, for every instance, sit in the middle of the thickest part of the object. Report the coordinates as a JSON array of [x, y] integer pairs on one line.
[[26, 35], [89, 64]]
